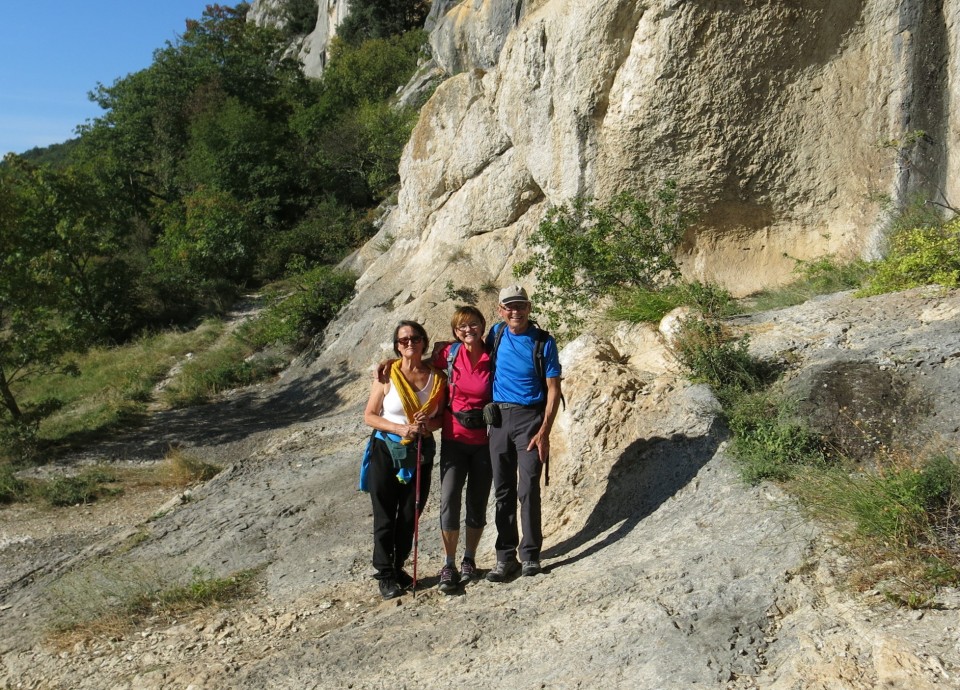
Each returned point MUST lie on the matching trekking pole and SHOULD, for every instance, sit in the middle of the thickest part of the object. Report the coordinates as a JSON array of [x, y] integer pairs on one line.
[[416, 515], [546, 471]]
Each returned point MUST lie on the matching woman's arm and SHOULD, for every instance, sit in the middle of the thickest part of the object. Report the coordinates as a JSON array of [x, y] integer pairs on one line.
[[435, 421]]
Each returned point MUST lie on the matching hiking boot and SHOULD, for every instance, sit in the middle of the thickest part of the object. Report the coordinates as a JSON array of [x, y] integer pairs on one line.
[[468, 570], [404, 579], [449, 579], [503, 571], [389, 589], [530, 568]]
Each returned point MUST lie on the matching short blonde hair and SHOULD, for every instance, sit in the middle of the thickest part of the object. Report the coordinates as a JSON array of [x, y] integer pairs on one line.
[[464, 314]]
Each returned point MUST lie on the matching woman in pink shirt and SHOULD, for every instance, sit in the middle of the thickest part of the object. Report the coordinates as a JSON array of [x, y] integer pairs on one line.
[[464, 452]]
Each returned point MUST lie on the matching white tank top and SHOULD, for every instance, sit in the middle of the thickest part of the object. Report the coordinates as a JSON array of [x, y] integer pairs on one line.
[[393, 408]]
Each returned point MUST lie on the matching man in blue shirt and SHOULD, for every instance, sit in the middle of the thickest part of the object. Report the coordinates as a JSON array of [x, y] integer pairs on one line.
[[528, 400]]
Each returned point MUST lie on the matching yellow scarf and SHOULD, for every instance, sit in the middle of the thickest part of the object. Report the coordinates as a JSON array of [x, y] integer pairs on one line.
[[408, 396]]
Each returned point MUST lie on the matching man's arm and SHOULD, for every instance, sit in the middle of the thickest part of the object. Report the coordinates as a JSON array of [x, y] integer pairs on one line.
[[541, 440]]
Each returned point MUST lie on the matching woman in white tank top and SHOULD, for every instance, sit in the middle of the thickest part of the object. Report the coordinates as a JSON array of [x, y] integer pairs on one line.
[[396, 440]]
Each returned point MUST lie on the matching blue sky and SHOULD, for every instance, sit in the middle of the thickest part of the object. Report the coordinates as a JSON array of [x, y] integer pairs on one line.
[[52, 53]]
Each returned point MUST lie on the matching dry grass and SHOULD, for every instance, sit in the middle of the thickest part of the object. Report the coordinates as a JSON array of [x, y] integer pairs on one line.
[[111, 597]]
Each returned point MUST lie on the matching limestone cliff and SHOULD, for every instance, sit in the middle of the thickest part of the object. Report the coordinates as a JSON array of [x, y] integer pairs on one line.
[[312, 48], [768, 114]]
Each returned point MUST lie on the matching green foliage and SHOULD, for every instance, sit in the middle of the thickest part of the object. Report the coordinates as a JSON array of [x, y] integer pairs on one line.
[[114, 383], [110, 596], [54, 156], [464, 295], [351, 136], [369, 19], [901, 506], [216, 240], [40, 318], [299, 17], [358, 154], [326, 234], [203, 589], [650, 305], [86, 487], [585, 251], [303, 311], [822, 276], [229, 366], [769, 443], [704, 351], [923, 255], [12, 489]]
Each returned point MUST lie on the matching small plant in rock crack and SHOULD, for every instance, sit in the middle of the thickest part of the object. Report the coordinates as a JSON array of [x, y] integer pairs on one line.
[[461, 294]]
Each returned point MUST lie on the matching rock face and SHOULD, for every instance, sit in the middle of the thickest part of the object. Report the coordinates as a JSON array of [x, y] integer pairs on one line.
[[312, 48], [768, 115]]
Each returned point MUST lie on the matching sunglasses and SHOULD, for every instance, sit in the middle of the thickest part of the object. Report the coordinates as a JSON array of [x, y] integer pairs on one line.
[[415, 339]]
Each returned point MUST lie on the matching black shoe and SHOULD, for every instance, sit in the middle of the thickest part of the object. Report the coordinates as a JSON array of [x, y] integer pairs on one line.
[[449, 579], [503, 571], [530, 568], [389, 589], [468, 570], [403, 578]]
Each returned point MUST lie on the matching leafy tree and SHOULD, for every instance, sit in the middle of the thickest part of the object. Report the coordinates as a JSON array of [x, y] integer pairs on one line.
[[221, 60], [300, 16], [33, 333], [382, 18], [585, 250], [351, 138], [214, 240]]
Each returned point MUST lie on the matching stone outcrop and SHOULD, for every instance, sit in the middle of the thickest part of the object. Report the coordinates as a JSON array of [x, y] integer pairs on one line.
[[768, 115], [312, 48]]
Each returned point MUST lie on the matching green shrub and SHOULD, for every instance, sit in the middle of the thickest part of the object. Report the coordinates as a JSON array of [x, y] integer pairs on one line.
[[585, 251], [110, 596], [768, 441], [922, 255], [382, 18], [328, 232], [304, 311], [86, 487], [708, 356], [217, 370], [12, 489], [650, 305], [902, 506]]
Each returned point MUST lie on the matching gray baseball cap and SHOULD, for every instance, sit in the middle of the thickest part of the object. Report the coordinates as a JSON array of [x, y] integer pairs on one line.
[[513, 293]]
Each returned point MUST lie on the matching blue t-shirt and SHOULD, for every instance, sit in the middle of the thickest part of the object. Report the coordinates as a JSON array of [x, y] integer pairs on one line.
[[515, 375]]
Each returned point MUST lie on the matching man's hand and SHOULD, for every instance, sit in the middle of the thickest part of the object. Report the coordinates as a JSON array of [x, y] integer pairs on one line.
[[382, 371], [541, 441]]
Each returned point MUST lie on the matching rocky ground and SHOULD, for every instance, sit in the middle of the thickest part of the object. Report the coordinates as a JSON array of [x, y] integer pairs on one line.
[[662, 570]]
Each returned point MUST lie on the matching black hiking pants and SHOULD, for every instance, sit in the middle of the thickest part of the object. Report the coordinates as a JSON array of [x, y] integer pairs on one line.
[[393, 506]]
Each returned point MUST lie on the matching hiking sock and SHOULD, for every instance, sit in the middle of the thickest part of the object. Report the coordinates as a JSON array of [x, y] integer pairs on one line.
[[449, 560]]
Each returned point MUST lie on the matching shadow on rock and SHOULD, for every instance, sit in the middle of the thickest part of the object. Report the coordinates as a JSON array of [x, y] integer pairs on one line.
[[647, 473]]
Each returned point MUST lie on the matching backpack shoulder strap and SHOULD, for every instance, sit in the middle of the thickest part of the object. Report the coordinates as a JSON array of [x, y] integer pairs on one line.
[[451, 358], [497, 335], [540, 361]]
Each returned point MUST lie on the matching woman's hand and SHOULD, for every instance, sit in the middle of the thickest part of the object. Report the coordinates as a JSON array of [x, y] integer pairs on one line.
[[409, 430]]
